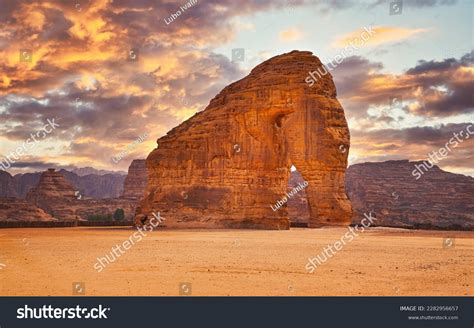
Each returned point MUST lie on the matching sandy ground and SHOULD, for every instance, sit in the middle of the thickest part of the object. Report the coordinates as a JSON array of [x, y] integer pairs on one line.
[[379, 261]]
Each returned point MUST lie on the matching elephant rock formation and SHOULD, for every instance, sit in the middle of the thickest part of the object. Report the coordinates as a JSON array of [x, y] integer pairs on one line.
[[226, 166]]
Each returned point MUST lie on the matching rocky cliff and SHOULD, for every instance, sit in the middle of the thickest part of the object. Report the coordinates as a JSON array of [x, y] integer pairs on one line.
[[226, 166], [438, 199], [136, 180]]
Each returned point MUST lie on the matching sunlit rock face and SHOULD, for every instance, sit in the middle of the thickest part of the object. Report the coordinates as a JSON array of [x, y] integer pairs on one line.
[[228, 165]]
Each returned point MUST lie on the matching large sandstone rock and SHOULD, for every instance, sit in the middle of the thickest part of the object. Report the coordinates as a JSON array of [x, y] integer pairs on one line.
[[136, 180], [227, 165], [439, 199], [15, 209]]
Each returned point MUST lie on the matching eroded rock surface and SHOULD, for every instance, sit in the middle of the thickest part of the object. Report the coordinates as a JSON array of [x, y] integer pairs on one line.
[[438, 199], [227, 165]]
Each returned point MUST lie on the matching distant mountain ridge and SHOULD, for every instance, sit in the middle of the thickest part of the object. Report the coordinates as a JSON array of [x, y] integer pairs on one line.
[[91, 185], [7, 185], [438, 200], [82, 171]]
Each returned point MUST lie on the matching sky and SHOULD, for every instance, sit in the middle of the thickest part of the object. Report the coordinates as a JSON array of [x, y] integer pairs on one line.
[[116, 75]]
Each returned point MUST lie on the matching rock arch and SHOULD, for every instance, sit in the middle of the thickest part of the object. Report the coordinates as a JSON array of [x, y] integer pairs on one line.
[[225, 166]]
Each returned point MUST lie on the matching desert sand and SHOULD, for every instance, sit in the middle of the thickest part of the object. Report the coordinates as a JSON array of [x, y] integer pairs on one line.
[[380, 261]]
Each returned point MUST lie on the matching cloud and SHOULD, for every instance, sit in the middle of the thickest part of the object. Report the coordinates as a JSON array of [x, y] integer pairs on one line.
[[380, 108], [290, 34], [430, 89], [415, 143], [418, 3], [81, 74], [382, 34]]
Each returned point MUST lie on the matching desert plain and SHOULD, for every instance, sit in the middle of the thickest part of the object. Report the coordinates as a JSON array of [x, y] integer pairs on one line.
[[380, 261]]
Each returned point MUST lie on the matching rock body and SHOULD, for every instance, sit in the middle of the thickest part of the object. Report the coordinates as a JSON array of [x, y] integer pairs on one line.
[[227, 165], [438, 199], [136, 181], [15, 209], [58, 197]]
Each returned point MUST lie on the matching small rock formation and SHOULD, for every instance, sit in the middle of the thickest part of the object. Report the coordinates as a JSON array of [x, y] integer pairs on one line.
[[15, 209], [58, 197], [227, 165], [438, 199], [55, 195], [136, 181], [7, 185], [52, 184]]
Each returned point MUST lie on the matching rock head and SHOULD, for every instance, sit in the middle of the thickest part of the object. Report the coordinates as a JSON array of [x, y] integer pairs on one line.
[[226, 166]]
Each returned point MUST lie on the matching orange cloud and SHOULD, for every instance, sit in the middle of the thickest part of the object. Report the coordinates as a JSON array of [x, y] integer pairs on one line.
[[381, 34], [290, 34]]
